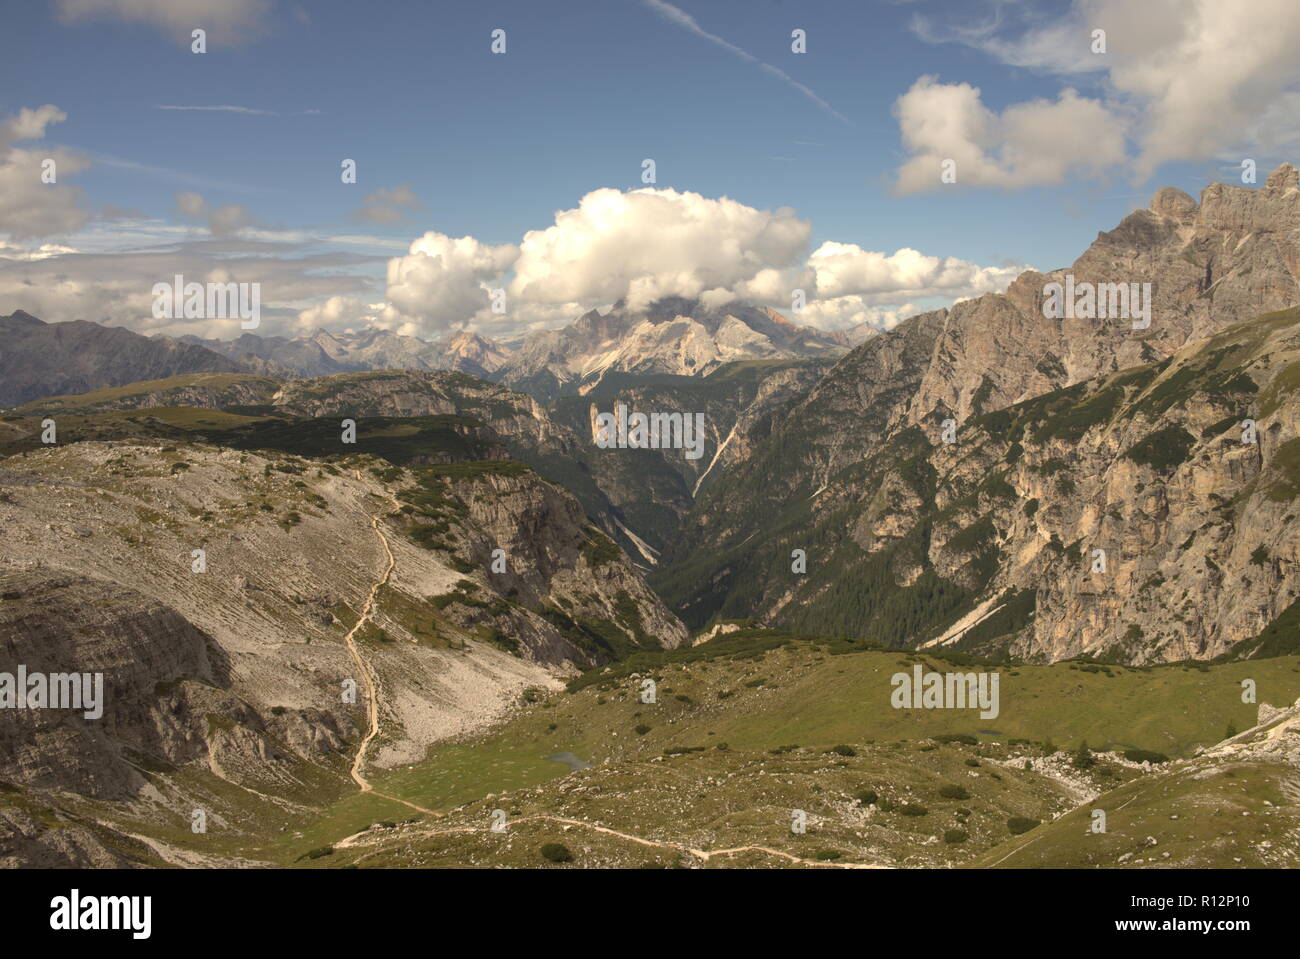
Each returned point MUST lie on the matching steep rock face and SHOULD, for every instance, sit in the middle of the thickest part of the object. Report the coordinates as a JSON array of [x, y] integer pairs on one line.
[[41, 838], [1227, 259], [554, 560], [45, 359], [53, 622], [1198, 530]]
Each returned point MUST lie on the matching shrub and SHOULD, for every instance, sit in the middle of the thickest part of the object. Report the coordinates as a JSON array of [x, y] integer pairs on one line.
[[827, 855], [556, 852], [954, 792], [1020, 824], [955, 835], [911, 809], [843, 750], [972, 762], [867, 797], [642, 729], [1163, 449], [1145, 756], [962, 738]]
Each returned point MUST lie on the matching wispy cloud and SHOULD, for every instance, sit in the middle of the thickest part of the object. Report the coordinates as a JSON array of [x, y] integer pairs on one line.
[[684, 20], [248, 111], [175, 176]]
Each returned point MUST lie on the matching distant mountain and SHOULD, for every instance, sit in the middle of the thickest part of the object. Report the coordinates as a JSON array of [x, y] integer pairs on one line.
[[673, 335], [43, 359], [324, 353], [467, 352]]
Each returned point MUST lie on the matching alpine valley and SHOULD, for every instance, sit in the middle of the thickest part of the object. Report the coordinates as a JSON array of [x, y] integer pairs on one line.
[[1104, 516]]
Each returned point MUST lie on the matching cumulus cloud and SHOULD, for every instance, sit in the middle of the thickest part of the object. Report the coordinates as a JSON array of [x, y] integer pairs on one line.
[[845, 312], [227, 22], [30, 207], [646, 244], [641, 245], [338, 313], [388, 206], [223, 221], [444, 281], [845, 269], [1191, 79], [1028, 144]]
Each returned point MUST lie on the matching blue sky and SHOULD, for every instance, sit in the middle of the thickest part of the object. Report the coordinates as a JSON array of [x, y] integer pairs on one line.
[[493, 145]]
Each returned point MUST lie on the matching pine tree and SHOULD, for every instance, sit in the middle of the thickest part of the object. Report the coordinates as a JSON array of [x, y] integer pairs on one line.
[[1083, 757]]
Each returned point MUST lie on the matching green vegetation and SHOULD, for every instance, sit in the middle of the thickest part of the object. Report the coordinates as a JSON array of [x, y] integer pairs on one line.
[[556, 852], [1163, 449]]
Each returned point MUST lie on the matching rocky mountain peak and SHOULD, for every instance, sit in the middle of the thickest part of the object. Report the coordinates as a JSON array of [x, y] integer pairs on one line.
[[1283, 180], [1173, 202]]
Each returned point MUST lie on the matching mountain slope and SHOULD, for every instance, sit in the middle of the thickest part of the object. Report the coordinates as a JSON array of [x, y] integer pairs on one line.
[[45, 359]]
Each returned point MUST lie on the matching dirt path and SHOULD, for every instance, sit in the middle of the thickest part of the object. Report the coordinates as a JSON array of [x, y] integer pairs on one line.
[[704, 855], [367, 675]]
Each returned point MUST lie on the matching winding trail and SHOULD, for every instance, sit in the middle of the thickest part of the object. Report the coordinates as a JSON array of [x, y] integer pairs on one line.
[[367, 675], [704, 855]]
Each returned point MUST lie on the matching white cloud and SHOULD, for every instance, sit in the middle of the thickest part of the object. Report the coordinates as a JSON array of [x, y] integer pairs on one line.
[[1031, 143], [641, 245], [1191, 79], [443, 281], [337, 313], [845, 269], [248, 111], [388, 206], [650, 243], [227, 22], [106, 273], [30, 207], [844, 312], [223, 221]]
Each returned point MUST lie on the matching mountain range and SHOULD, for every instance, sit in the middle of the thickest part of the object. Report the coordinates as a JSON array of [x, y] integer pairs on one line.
[[1100, 510]]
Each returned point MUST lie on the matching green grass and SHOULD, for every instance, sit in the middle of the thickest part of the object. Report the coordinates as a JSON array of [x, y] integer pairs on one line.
[[1197, 820]]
